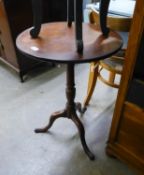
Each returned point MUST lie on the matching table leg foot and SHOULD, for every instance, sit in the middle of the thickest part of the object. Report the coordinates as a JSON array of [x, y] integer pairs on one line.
[[84, 109], [81, 130], [53, 117], [78, 107]]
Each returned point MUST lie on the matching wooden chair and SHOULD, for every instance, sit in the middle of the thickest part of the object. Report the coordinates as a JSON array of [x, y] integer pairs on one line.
[[114, 64]]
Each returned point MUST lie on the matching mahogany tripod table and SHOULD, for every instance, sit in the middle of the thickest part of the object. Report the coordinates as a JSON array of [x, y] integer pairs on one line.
[[56, 43]]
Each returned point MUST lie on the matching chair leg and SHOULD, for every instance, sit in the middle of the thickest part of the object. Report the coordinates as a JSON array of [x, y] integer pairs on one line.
[[111, 77], [91, 83]]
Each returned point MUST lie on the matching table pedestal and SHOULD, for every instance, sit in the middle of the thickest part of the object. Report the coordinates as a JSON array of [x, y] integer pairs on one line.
[[70, 111]]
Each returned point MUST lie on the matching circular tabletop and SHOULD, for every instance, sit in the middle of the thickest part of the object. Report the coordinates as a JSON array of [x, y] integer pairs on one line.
[[56, 43]]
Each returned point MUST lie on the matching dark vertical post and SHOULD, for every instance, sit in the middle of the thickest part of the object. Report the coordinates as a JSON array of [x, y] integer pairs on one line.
[[78, 14], [37, 17], [104, 4], [70, 9]]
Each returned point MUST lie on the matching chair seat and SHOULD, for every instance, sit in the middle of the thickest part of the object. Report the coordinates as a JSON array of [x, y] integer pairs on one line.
[[113, 64]]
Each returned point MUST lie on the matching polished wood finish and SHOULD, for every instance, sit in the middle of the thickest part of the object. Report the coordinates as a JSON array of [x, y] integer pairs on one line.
[[113, 65], [56, 43], [126, 139]]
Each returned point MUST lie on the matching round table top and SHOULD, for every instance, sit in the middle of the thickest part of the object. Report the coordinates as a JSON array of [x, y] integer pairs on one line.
[[56, 43]]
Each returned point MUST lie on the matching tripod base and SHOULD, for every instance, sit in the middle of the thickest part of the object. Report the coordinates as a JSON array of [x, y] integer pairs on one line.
[[73, 116]]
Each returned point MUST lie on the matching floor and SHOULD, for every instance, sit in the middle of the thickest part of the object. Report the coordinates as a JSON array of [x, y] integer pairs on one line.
[[26, 106]]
